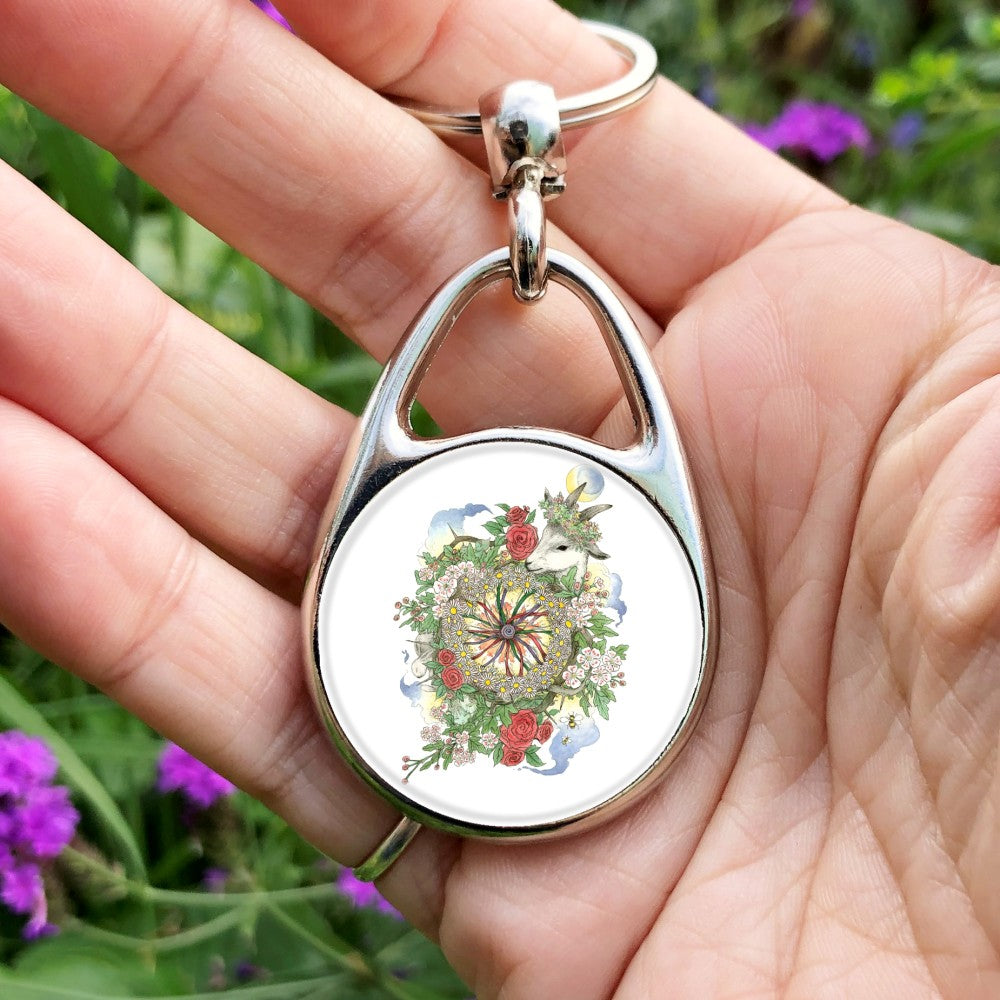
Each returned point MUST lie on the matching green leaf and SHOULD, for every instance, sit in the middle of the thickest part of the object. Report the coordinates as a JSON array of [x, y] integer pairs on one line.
[[18, 713], [498, 753], [942, 155], [85, 176], [602, 696], [504, 506], [532, 757]]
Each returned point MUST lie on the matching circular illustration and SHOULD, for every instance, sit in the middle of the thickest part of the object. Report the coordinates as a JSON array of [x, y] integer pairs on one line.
[[511, 627], [542, 647]]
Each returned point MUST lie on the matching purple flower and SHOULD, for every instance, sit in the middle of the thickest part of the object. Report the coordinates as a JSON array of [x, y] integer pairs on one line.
[[802, 8], [907, 130], [272, 12], [823, 130], [364, 894], [707, 92], [36, 822], [864, 51], [22, 885], [214, 879], [25, 762], [245, 971], [180, 772], [47, 821]]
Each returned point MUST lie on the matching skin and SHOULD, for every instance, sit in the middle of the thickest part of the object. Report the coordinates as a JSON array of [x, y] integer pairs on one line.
[[833, 828]]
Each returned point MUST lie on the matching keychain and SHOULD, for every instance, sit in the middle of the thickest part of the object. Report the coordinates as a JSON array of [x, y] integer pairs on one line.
[[511, 633]]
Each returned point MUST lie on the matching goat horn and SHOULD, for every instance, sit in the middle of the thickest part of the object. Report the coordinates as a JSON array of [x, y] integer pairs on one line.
[[586, 515], [575, 495]]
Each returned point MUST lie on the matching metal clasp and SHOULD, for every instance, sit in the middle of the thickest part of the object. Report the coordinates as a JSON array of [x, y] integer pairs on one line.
[[527, 167]]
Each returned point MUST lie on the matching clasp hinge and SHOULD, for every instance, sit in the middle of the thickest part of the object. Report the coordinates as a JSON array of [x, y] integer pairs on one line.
[[521, 128], [527, 167]]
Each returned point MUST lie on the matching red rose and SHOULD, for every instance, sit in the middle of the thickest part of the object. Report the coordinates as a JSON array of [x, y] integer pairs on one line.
[[451, 677], [445, 657], [544, 731], [517, 515], [521, 731], [521, 540], [512, 756]]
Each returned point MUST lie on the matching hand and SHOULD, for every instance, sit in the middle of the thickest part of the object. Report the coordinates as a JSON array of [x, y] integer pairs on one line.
[[832, 828]]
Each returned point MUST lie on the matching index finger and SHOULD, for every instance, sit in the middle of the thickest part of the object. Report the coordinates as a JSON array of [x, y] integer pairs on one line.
[[661, 197]]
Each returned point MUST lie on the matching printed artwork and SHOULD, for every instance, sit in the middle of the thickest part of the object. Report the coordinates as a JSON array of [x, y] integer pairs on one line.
[[514, 654]]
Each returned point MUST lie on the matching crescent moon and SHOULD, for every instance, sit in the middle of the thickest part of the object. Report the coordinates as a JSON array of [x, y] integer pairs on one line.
[[588, 474]]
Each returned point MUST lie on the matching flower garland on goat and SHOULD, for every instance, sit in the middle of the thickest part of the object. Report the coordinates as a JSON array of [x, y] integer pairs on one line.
[[512, 637]]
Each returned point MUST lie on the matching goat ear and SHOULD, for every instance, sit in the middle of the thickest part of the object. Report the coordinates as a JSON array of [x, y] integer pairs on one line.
[[586, 515], [575, 495], [593, 550]]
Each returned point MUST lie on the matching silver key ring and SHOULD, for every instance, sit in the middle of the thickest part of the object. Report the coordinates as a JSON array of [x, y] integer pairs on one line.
[[583, 109]]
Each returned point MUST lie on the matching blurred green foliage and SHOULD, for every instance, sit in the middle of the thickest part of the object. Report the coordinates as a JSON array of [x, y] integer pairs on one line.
[[288, 933]]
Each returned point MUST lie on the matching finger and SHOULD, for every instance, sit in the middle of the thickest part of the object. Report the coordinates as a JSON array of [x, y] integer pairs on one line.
[[238, 453], [95, 576], [345, 198], [661, 197]]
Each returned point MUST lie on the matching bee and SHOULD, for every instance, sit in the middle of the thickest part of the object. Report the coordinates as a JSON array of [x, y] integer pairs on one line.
[[572, 720]]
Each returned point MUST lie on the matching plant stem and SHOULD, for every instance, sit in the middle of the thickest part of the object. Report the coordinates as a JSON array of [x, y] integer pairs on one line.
[[174, 942], [267, 991], [224, 900], [338, 951]]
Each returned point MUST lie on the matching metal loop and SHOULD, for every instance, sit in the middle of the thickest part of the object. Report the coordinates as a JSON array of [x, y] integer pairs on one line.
[[592, 106], [526, 211], [388, 851]]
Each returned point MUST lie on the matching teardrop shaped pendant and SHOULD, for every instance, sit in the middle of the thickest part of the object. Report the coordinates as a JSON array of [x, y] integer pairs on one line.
[[512, 632]]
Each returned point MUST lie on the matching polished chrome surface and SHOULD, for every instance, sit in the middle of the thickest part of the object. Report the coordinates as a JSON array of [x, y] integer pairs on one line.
[[388, 852], [385, 447], [527, 164], [526, 215], [521, 127], [582, 109]]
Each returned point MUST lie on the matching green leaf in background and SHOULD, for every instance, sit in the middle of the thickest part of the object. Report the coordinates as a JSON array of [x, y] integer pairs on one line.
[[18, 713], [70, 962], [86, 179], [955, 147]]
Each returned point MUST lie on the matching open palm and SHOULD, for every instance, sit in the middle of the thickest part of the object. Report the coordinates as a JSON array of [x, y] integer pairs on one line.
[[833, 828]]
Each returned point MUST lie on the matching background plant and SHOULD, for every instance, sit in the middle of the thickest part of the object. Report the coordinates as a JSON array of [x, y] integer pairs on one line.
[[159, 895]]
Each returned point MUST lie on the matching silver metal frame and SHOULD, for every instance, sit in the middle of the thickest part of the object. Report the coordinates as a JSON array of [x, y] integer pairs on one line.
[[385, 447], [583, 109]]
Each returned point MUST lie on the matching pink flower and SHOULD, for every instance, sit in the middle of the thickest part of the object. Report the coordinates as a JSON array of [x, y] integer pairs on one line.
[[36, 822], [823, 130], [197, 782], [364, 895], [272, 12]]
